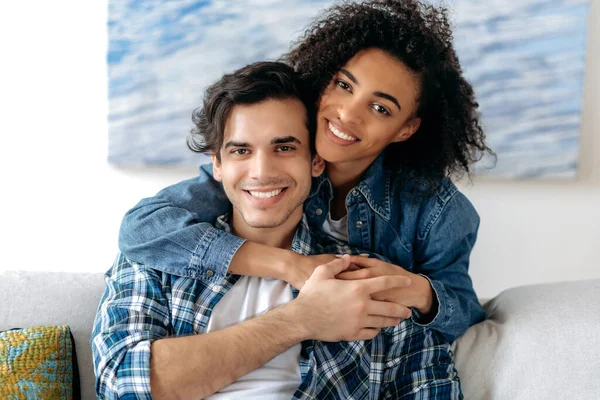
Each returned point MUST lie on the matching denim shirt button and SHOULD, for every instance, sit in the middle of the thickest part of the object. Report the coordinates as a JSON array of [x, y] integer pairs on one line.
[[355, 192], [319, 211], [210, 273], [359, 224], [216, 289]]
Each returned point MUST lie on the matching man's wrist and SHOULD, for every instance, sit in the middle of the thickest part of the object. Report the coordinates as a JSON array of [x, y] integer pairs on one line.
[[295, 313]]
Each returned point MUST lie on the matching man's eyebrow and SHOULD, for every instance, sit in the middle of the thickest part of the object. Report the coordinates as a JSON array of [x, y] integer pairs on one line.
[[286, 139], [378, 94], [232, 143]]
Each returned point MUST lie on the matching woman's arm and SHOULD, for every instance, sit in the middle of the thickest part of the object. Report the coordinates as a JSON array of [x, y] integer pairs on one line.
[[441, 292], [442, 255], [173, 232]]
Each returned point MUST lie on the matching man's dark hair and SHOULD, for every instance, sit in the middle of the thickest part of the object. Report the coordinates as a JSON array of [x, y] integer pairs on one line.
[[450, 137], [251, 84]]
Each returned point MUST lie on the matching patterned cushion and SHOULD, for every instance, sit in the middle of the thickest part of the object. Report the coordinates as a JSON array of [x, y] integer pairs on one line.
[[38, 363]]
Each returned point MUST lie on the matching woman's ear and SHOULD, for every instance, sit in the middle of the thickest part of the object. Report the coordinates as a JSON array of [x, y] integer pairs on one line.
[[409, 129], [318, 165], [216, 164]]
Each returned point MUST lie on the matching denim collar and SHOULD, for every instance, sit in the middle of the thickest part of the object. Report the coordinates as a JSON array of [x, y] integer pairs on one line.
[[375, 186]]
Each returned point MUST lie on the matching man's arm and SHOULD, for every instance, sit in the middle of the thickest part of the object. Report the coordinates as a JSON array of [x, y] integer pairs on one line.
[[133, 358], [326, 309], [193, 367], [133, 312], [419, 365]]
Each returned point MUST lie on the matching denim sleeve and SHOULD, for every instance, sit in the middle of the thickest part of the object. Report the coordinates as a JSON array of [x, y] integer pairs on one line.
[[173, 231], [442, 256]]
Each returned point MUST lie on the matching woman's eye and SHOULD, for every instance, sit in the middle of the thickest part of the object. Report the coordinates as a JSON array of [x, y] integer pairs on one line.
[[381, 109], [342, 84]]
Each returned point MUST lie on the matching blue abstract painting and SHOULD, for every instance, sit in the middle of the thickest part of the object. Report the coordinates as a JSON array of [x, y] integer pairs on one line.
[[525, 60]]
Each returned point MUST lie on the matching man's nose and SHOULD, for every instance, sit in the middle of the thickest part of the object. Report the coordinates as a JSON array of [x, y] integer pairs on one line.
[[263, 165]]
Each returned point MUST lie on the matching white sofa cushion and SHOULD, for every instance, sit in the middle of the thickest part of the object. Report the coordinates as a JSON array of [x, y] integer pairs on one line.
[[539, 342]]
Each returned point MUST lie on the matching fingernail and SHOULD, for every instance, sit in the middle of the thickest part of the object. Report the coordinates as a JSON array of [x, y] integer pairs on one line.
[[339, 255], [364, 254]]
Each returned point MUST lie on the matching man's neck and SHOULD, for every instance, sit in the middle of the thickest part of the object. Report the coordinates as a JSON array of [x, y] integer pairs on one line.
[[280, 236]]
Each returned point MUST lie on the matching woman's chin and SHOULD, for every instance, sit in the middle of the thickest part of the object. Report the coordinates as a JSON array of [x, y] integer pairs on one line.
[[332, 153]]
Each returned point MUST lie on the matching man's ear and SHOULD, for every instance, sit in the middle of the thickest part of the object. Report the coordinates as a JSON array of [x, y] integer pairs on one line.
[[318, 165], [216, 164], [408, 129]]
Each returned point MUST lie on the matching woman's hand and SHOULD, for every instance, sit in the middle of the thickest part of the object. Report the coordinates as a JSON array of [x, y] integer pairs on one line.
[[298, 270], [419, 294]]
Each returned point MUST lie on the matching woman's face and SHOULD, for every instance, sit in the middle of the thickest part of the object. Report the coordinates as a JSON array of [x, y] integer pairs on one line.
[[370, 103]]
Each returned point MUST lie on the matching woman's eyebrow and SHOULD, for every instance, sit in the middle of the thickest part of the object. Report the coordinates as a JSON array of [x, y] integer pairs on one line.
[[349, 75], [389, 97], [378, 94]]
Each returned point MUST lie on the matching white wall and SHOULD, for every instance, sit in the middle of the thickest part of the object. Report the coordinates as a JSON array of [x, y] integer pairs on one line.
[[61, 203]]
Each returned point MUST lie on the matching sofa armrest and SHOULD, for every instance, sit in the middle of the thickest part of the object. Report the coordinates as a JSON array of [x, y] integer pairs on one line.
[[30, 298], [539, 342]]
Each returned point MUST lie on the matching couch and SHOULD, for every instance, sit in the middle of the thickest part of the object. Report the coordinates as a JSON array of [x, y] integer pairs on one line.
[[539, 341]]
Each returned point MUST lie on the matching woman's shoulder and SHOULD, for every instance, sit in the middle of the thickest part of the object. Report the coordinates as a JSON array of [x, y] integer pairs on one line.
[[429, 201], [419, 190]]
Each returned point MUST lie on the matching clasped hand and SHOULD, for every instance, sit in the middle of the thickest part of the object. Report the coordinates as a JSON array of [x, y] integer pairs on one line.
[[418, 293]]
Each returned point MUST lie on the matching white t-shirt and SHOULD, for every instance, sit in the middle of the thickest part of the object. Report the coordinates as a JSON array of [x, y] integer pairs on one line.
[[278, 378], [336, 228]]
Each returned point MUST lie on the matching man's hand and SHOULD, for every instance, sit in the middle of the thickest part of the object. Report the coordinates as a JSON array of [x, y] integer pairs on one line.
[[418, 294], [332, 310]]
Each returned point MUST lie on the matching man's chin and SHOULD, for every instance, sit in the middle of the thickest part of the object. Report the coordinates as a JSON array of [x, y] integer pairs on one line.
[[264, 223]]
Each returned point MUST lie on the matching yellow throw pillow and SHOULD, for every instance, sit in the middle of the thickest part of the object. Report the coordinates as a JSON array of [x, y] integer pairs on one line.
[[38, 363]]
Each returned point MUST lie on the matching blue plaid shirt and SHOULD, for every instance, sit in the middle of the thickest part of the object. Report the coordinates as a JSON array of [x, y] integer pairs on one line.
[[141, 305]]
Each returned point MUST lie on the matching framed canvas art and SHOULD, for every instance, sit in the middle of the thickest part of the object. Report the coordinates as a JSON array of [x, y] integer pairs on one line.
[[524, 59]]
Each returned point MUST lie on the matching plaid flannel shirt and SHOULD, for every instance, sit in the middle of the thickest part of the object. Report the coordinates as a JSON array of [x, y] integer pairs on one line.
[[141, 305]]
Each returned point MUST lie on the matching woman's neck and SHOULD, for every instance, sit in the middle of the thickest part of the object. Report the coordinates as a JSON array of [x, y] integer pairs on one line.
[[343, 178]]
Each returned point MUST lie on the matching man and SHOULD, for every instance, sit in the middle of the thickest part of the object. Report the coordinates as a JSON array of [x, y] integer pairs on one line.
[[163, 336]]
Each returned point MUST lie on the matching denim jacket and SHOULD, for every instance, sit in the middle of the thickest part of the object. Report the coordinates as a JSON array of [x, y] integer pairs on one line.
[[428, 235]]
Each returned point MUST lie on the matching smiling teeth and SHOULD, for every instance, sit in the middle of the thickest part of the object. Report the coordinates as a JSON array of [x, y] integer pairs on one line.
[[340, 134], [265, 195]]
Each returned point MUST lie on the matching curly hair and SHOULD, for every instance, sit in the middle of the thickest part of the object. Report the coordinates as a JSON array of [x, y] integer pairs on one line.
[[450, 138], [251, 84]]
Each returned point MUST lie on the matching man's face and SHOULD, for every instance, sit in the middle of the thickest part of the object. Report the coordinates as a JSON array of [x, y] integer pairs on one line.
[[266, 165]]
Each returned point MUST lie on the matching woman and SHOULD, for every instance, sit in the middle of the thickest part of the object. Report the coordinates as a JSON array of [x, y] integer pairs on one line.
[[395, 121]]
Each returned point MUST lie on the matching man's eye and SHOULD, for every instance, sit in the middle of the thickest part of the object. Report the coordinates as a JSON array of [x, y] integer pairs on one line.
[[380, 109], [285, 148], [240, 152]]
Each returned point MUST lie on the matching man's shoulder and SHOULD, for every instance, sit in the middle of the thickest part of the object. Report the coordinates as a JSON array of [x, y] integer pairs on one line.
[[129, 273]]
